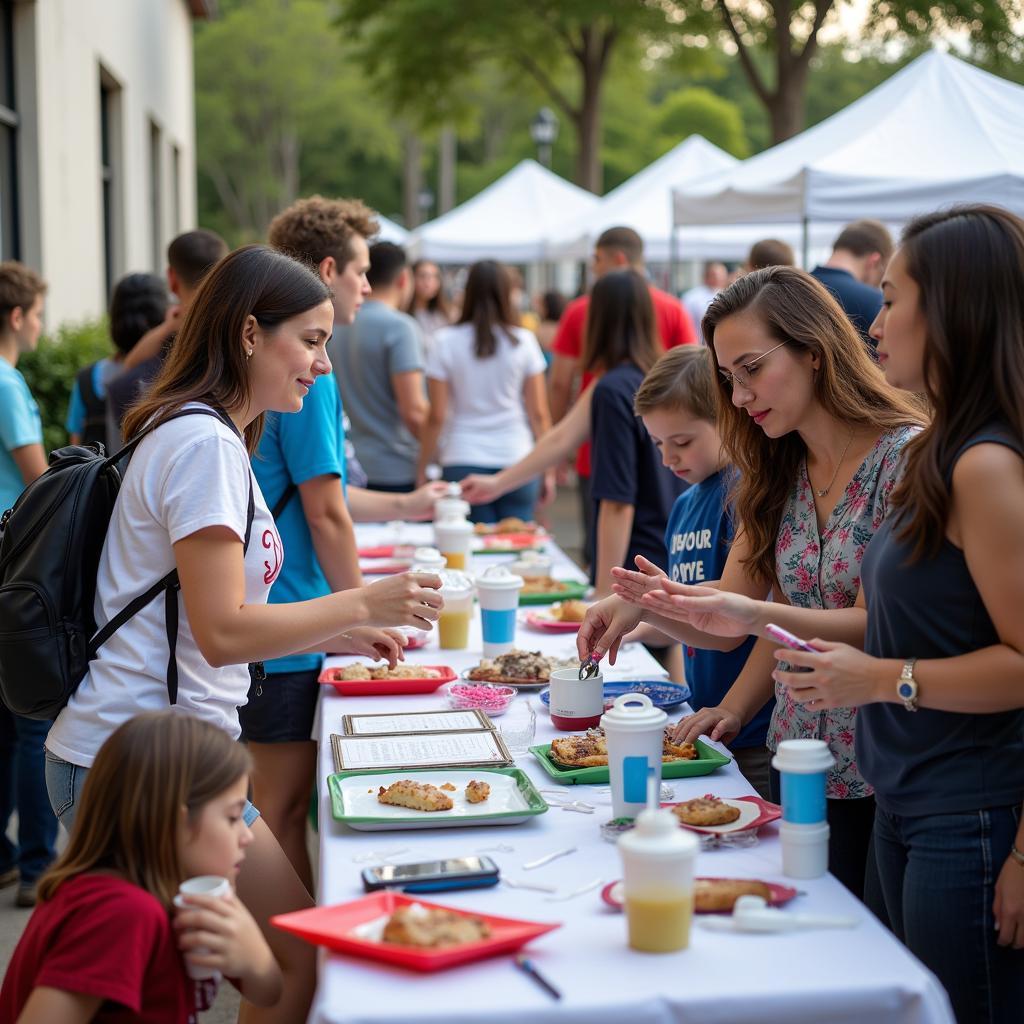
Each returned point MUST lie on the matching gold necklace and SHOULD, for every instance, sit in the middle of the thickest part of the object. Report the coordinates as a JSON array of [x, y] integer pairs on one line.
[[822, 492]]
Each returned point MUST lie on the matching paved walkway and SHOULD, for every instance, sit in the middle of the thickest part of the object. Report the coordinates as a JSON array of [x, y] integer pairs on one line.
[[562, 518]]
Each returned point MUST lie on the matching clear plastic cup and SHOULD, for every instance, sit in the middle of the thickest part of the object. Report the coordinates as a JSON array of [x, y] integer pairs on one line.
[[453, 624], [498, 591], [453, 537], [518, 727]]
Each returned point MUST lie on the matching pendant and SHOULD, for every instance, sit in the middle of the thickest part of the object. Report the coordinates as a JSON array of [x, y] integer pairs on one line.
[[823, 492]]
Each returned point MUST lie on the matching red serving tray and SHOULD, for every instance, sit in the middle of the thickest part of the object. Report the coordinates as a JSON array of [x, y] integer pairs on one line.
[[332, 927], [536, 621], [388, 551], [387, 687], [502, 542]]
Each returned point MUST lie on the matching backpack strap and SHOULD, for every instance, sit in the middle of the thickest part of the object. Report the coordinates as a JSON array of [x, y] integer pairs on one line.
[[170, 584], [289, 492]]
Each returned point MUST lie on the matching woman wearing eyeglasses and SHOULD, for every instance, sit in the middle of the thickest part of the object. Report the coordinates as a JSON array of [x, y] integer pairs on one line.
[[816, 433]]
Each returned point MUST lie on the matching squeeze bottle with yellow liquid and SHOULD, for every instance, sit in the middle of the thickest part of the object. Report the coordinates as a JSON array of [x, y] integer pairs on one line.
[[657, 876]]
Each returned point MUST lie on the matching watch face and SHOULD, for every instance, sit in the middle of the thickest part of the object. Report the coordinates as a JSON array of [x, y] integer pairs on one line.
[[905, 690]]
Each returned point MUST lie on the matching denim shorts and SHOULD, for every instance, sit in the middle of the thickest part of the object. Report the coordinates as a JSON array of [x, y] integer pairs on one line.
[[281, 708], [64, 783]]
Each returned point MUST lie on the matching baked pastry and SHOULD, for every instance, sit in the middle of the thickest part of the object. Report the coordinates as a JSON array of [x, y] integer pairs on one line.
[[543, 585], [511, 524], [717, 895], [477, 792], [447, 787], [590, 750], [431, 928], [569, 611], [518, 666], [419, 796], [706, 810], [380, 672]]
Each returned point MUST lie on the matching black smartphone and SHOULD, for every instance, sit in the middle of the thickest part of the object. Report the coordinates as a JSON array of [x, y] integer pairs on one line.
[[433, 875]]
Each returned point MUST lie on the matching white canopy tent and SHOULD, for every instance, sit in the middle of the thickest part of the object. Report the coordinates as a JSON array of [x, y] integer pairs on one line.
[[512, 219], [644, 202], [391, 232], [938, 132]]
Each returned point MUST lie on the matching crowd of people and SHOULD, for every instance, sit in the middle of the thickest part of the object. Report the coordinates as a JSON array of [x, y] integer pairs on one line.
[[840, 453]]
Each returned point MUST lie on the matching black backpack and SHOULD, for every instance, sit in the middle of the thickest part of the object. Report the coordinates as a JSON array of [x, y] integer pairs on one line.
[[94, 425], [49, 556]]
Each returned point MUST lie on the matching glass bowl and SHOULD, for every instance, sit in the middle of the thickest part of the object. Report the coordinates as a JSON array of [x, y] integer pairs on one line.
[[491, 698]]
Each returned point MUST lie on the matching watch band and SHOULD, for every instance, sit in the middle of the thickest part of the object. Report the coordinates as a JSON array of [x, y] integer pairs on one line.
[[1016, 854], [906, 685]]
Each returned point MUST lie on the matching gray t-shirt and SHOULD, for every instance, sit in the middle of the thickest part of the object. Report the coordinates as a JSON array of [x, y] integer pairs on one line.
[[366, 354]]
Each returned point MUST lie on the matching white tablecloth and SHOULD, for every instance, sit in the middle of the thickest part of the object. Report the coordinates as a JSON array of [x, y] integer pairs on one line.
[[842, 977]]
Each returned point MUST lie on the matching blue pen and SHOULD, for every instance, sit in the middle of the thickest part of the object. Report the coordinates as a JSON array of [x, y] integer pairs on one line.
[[526, 965]]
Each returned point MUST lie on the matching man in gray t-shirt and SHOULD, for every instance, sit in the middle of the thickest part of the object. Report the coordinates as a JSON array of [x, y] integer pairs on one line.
[[378, 363]]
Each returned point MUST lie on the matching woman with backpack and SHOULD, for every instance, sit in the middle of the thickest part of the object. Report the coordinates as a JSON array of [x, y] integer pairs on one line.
[[252, 341]]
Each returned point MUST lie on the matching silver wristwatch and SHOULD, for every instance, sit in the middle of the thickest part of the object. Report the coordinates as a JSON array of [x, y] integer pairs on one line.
[[906, 685]]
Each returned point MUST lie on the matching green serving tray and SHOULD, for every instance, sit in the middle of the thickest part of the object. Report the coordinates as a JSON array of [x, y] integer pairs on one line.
[[372, 823], [574, 591], [708, 759]]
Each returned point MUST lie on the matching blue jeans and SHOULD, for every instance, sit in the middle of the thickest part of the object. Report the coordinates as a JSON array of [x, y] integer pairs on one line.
[[23, 789], [518, 503], [938, 876], [64, 782]]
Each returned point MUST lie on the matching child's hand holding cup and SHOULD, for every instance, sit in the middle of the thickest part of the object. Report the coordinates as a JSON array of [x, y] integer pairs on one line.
[[215, 887]]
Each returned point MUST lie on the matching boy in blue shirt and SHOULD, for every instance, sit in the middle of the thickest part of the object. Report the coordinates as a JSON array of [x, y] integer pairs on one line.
[[22, 459], [676, 402]]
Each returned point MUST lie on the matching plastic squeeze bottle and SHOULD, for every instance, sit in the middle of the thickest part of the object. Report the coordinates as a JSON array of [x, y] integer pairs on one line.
[[657, 863]]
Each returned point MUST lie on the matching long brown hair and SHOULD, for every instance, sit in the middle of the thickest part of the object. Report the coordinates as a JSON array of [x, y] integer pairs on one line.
[[438, 303], [968, 263], [148, 769], [795, 308], [621, 326], [207, 362], [487, 305]]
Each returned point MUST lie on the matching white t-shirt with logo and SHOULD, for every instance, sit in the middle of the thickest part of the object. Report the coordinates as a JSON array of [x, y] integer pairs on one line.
[[189, 474]]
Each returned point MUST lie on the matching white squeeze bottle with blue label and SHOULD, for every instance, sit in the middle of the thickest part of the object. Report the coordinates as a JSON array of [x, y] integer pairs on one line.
[[634, 730]]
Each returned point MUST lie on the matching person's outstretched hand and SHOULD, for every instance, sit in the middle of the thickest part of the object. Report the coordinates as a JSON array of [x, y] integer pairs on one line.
[[604, 627], [419, 504], [631, 585], [479, 489], [387, 644], [708, 609], [408, 599]]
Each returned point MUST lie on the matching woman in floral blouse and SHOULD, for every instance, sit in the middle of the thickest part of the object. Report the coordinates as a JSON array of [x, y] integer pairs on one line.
[[816, 434]]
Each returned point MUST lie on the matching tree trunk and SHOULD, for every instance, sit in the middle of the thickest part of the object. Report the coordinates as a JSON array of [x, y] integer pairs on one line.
[[446, 170], [592, 57], [412, 178], [787, 110]]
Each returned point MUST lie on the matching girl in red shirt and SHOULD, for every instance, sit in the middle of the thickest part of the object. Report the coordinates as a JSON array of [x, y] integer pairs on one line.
[[162, 803]]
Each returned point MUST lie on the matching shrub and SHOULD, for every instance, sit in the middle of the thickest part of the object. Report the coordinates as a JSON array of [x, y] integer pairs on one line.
[[50, 372]]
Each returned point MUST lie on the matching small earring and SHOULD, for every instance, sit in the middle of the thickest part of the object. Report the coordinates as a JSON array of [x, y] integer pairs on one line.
[[248, 355]]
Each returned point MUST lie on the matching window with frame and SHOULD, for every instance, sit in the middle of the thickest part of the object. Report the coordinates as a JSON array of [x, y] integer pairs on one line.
[[10, 228]]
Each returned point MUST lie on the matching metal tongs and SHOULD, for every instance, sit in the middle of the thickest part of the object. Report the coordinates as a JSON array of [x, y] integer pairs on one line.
[[589, 667]]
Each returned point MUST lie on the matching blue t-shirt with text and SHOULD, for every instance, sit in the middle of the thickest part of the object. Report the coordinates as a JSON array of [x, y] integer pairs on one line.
[[697, 541], [295, 448]]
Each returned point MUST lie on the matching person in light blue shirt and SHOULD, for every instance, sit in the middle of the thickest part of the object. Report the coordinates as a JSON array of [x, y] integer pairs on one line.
[[22, 459]]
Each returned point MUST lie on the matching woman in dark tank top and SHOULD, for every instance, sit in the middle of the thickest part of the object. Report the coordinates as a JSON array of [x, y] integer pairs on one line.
[[940, 682]]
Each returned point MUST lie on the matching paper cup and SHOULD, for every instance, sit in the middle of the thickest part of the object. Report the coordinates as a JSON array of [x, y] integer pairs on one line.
[[575, 703], [202, 885], [498, 591]]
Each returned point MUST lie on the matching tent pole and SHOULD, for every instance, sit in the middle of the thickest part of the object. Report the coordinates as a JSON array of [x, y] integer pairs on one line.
[[673, 259], [806, 241]]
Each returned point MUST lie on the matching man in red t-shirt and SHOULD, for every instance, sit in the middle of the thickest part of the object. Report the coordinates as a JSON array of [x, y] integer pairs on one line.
[[615, 249]]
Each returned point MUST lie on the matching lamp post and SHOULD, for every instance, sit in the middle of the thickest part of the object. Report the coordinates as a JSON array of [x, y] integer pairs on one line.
[[424, 201], [544, 131]]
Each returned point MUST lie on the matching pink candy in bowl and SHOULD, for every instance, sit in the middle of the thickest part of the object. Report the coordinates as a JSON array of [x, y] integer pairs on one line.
[[491, 698]]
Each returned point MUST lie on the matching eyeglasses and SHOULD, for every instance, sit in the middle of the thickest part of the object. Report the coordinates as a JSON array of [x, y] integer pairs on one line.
[[747, 370]]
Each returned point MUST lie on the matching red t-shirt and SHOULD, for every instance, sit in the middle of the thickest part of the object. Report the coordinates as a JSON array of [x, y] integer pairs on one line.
[[674, 326], [102, 936]]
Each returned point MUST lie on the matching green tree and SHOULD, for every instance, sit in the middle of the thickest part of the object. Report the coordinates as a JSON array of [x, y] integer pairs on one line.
[[422, 53], [282, 109], [699, 111], [776, 40]]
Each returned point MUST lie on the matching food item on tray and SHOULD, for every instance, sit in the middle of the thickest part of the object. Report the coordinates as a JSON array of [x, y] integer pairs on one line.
[[569, 611], [706, 810], [448, 787], [431, 928], [352, 673], [519, 666], [419, 796], [512, 524], [543, 585], [491, 698], [590, 750], [715, 895], [477, 792]]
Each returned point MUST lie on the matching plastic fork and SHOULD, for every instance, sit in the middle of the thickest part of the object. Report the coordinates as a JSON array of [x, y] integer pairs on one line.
[[573, 893]]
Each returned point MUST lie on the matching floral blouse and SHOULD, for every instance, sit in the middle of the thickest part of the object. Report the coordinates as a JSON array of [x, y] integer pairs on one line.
[[823, 571]]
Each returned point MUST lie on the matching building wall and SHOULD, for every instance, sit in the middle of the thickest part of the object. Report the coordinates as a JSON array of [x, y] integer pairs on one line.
[[142, 49]]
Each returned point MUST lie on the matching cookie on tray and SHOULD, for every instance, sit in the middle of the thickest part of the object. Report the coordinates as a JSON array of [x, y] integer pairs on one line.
[[706, 810]]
